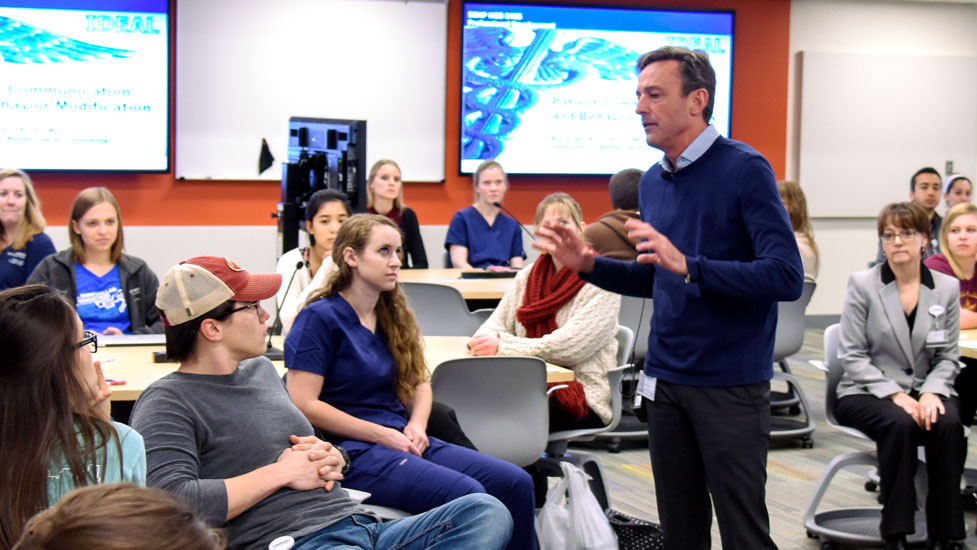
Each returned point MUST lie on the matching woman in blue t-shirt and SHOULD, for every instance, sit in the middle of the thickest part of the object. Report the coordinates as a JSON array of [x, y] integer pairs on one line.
[[357, 371], [23, 243], [55, 424], [481, 235], [114, 293]]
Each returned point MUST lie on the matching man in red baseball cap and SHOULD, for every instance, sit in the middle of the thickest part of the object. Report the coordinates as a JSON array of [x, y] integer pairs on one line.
[[222, 433]]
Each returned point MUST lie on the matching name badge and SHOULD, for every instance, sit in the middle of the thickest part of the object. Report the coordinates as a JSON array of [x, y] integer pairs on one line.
[[646, 387], [936, 338]]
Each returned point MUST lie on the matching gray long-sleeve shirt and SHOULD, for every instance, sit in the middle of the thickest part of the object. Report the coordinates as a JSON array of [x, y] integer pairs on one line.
[[202, 429]]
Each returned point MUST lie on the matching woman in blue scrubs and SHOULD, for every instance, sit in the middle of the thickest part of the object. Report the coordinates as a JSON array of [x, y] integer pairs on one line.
[[357, 371], [481, 235]]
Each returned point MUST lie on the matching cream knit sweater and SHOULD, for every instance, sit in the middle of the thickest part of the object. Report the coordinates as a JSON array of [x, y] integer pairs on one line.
[[584, 340]]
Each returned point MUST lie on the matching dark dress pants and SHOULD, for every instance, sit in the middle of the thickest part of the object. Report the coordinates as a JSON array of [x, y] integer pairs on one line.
[[896, 437], [711, 441]]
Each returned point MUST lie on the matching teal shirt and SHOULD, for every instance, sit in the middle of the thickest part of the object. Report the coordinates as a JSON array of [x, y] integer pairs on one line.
[[130, 467]]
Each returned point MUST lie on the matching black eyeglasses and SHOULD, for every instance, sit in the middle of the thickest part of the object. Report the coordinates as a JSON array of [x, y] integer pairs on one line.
[[90, 340], [905, 235], [242, 308]]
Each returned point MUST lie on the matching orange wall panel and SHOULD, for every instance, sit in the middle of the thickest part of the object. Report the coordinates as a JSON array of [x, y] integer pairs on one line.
[[760, 59]]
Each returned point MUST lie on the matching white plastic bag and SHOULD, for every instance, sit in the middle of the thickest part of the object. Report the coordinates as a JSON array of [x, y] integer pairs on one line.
[[553, 520], [574, 523]]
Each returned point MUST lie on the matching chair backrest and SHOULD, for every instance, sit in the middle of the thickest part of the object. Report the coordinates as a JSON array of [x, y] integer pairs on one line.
[[636, 315], [625, 339], [441, 310], [500, 402], [832, 337], [790, 324], [832, 363]]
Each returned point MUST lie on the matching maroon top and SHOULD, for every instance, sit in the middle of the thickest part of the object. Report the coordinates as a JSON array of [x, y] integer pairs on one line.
[[968, 288]]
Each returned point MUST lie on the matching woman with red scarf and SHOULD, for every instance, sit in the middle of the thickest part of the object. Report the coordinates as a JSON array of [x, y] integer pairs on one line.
[[552, 314]]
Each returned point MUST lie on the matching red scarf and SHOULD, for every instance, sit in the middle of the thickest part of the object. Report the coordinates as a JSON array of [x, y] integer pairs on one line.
[[547, 291]]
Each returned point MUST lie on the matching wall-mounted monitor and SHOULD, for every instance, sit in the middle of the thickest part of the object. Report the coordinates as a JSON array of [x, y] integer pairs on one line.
[[550, 89], [84, 85]]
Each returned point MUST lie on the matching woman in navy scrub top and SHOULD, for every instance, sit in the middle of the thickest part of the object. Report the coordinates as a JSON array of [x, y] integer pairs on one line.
[[357, 371], [113, 293], [481, 235], [23, 243]]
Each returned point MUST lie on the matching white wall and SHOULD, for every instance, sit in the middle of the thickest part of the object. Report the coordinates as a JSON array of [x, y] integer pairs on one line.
[[860, 26]]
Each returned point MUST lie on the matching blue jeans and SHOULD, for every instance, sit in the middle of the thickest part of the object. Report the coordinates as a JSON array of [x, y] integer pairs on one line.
[[477, 521]]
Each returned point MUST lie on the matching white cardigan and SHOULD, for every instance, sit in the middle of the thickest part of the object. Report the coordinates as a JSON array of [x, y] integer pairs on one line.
[[584, 340]]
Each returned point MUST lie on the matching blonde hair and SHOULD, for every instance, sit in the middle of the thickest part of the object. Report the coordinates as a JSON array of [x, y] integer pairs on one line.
[[796, 204], [399, 199], [561, 200], [477, 176], [84, 202], [952, 214], [34, 223], [394, 315], [119, 516]]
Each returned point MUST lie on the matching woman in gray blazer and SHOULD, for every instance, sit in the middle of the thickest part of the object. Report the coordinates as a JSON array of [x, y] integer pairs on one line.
[[899, 332]]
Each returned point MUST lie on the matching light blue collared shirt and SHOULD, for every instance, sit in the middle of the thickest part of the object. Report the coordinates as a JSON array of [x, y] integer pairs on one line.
[[696, 149]]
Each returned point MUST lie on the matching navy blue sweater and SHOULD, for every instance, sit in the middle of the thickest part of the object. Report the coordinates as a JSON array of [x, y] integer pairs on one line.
[[724, 213]]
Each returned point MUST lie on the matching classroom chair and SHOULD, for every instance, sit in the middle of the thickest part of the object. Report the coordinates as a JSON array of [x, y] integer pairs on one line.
[[557, 448], [788, 341], [501, 403], [635, 314], [441, 310], [857, 525]]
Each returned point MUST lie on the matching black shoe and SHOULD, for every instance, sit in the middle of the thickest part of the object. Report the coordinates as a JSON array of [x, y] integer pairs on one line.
[[948, 545], [898, 544]]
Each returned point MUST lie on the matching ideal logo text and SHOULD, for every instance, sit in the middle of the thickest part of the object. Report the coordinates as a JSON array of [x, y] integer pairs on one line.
[[120, 23]]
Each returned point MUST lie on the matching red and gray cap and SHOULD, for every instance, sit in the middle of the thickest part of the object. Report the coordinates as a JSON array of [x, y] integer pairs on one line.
[[200, 284]]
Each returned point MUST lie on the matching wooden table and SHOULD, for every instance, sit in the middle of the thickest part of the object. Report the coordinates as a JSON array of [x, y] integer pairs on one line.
[[968, 343], [135, 365], [471, 289]]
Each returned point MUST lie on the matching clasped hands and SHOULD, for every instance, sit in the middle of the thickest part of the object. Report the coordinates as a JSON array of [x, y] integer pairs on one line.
[[569, 248], [312, 463], [925, 411]]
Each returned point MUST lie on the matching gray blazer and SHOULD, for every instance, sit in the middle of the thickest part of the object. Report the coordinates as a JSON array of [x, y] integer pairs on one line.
[[878, 354]]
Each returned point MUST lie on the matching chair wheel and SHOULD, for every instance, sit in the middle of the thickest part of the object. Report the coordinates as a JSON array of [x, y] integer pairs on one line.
[[810, 535], [794, 410], [871, 486], [614, 447], [829, 545], [807, 443]]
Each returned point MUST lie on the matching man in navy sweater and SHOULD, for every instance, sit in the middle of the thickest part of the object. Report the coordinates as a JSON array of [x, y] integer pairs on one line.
[[717, 254]]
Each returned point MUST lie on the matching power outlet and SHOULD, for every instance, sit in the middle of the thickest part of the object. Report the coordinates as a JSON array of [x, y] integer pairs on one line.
[[949, 167]]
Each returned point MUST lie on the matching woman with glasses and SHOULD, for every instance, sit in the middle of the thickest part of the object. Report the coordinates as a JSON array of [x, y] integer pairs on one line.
[[899, 331], [55, 428], [112, 291], [481, 235], [356, 369]]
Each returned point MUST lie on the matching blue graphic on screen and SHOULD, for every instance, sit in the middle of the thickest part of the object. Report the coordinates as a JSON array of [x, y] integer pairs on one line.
[[501, 80], [84, 84], [551, 90], [23, 43]]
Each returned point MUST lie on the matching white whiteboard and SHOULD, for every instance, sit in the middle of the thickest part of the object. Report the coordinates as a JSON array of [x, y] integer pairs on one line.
[[869, 121], [243, 67]]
